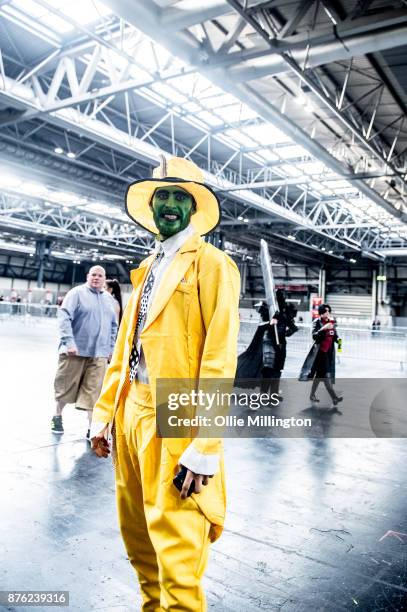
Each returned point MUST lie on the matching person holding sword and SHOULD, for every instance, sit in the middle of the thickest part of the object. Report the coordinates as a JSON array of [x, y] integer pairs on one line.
[[265, 356]]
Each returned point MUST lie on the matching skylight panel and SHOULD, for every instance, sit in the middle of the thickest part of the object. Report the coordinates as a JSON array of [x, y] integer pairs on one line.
[[40, 15], [240, 137], [229, 141], [266, 134], [209, 118], [267, 155], [151, 55], [82, 11], [204, 85], [99, 207], [161, 55], [145, 55], [247, 113], [339, 184], [138, 73], [342, 190], [230, 113], [196, 86], [290, 170], [31, 23], [292, 151], [30, 7], [56, 23], [217, 101], [185, 83], [169, 93], [314, 167], [315, 186], [191, 107]]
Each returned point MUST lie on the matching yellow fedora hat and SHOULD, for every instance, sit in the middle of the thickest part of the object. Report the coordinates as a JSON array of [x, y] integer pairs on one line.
[[185, 174]]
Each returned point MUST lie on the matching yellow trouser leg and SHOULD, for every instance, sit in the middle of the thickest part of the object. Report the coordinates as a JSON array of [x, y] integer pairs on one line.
[[133, 525], [182, 555], [177, 529]]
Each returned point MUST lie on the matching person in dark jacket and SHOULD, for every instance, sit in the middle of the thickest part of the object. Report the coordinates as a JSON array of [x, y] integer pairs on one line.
[[320, 361], [264, 358]]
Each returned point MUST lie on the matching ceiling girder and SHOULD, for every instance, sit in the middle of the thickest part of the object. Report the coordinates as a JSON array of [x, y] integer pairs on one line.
[[244, 92], [51, 104]]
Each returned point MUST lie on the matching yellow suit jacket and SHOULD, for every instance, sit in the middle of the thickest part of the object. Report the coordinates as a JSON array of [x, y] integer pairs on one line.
[[191, 329]]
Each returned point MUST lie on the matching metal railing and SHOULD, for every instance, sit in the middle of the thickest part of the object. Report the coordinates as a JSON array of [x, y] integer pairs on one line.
[[26, 312], [388, 345]]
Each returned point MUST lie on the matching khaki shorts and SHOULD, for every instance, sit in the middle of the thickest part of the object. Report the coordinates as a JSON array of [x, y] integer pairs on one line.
[[79, 380]]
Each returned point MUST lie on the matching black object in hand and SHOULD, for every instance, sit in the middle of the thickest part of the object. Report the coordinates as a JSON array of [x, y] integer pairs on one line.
[[179, 481]]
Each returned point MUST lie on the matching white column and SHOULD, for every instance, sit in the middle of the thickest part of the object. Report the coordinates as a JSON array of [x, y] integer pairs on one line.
[[374, 295], [322, 284]]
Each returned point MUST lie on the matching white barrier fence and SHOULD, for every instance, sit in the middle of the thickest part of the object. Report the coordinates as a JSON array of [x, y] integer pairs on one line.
[[389, 345], [27, 313]]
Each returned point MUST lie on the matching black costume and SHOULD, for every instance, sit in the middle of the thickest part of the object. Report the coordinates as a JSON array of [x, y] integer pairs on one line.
[[265, 358], [319, 363]]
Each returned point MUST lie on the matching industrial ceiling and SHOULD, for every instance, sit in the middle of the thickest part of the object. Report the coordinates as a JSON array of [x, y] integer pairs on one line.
[[295, 110]]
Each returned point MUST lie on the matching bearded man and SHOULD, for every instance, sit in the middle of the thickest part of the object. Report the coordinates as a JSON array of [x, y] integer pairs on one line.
[[181, 322]]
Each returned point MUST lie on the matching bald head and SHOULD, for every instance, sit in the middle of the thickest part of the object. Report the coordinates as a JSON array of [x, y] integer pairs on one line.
[[96, 278], [97, 267]]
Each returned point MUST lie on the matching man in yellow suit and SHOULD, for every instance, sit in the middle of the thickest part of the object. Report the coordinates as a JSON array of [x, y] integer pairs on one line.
[[181, 322]]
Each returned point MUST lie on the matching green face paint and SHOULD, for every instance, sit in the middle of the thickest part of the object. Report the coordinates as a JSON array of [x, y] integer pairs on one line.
[[172, 209]]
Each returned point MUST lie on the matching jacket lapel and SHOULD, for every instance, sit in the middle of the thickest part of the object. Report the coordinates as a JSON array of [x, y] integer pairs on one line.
[[173, 276], [138, 277]]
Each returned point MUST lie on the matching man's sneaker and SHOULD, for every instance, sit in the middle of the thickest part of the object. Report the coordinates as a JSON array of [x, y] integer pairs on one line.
[[88, 435], [56, 425]]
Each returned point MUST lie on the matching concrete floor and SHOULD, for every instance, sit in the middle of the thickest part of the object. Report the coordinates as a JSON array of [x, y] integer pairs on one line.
[[312, 525]]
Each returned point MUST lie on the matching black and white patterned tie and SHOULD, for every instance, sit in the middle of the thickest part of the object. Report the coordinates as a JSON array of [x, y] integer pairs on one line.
[[142, 315]]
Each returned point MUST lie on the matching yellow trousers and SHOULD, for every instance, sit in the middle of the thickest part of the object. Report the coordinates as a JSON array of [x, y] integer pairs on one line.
[[166, 538]]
